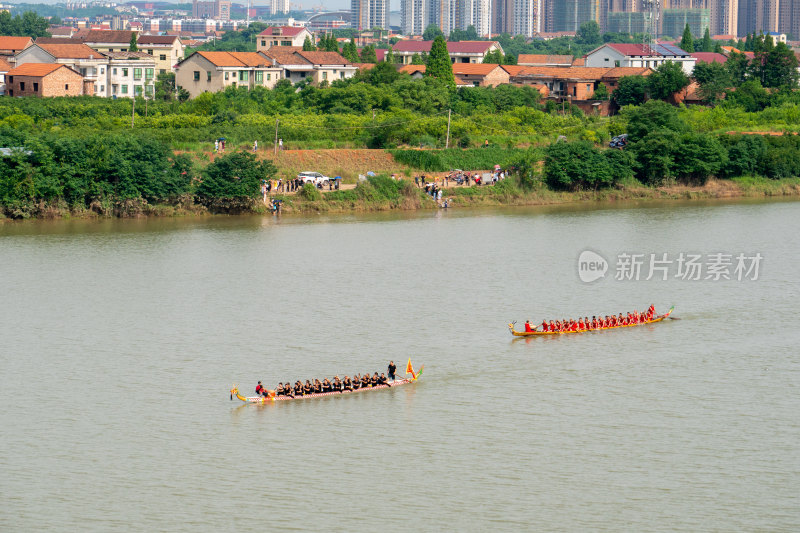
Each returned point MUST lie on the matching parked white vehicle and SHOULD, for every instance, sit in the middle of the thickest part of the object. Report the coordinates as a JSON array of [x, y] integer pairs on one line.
[[313, 177]]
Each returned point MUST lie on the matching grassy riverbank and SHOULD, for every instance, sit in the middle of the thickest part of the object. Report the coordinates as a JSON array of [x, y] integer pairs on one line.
[[405, 195]]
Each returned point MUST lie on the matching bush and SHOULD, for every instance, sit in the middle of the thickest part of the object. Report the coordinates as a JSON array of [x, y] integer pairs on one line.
[[310, 192]]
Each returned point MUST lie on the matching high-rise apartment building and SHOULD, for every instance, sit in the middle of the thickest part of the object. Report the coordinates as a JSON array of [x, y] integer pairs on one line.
[[724, 17], [368, 14], [568, 15], [789, 18], [413, 16], [219, 9], [279, 6], [674, 21], [473, 13]]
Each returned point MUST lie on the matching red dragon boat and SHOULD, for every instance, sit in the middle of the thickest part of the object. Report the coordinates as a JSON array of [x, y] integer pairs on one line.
[[657, 318], [272, 397]]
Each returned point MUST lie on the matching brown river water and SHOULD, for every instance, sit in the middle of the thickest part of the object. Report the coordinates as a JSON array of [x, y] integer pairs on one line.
[[121, 340]]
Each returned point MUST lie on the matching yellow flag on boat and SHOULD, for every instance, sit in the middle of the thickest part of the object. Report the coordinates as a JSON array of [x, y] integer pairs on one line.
[[410, 369]]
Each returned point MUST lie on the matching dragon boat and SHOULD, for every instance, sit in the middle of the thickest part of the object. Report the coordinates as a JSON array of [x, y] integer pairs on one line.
[[272, 397], [657, 318]]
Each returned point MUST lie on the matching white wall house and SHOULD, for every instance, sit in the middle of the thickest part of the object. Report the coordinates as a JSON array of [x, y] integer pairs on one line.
[[639, 55]]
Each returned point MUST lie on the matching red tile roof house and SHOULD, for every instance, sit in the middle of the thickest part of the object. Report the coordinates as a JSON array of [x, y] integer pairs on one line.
[[11, 46], [469, 74], [460, 52], [43, 79], [90, 63], [282, 36], [577, 84], [544, 60], [639, 55], [318, 66], [215, 71]]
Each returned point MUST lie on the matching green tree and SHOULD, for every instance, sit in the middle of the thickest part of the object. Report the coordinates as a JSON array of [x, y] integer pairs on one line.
[[699, 156], [33, 25], [651, 116], [494, 57], [165, 86], [308, 46], [510, 59], [589, 34], [601, 92], [389, 57], [350, 51], [750, 96], [133, 46], [631, 90], [576, 166], [432, 32], [713, 80], [687, 41], [655, 155], [235, 176], [439, 65], [368, 54], [775, 66], [746, 157], [416, 59], [382, 74], [737, 66], [707, 44], [668, 79]]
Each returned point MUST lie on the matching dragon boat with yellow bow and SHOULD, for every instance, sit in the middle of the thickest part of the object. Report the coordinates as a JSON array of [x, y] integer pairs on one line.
[[657, 318], [272, 397]]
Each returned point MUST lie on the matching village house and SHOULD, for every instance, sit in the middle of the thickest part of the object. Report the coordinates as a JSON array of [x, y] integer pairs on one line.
[[90, 63], [11, 46], [5, 66], [105, 40], [460, 52], [167, 50], [544, 60], [577, 83], [468, 74], [215, 71], [639, 55], [317, 66], [282, 36], [44, 80], [131, 74]]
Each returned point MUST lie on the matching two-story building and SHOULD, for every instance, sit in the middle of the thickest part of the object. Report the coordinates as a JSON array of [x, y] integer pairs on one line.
[[639, 55], [315, 66], [131, 74], [90, 63], [468, 74], [166, 49], [215, 71], [460, 52], [282, 36], [44, 79], [105, 40]]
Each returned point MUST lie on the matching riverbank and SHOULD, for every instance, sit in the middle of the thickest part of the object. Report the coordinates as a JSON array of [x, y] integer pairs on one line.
[[383, 194]]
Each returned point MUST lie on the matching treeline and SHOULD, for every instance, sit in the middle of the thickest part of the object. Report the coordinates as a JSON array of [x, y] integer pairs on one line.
[[663, 149], [116, 172]]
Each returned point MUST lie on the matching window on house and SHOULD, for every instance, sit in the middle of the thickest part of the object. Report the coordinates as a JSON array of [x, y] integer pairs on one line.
[[286, 43], [114, 72], [22, 86], [66, 86], [616, 63], [124, 73], [102, 70], [324, 75], [137, 74], [123, 49], [259, 76], [302, 74], [102, 88], [162, 57], [196, 75], [110, 49], [148, 74], [114, 89], [148, 90], [575, 90], [150, 52], [263, 43], [137, 90], [269, 76], [341, 74], [124, 89], [208, 75], [35, 87], [606, 59], [243, 75], [226, 76], [161, 71]]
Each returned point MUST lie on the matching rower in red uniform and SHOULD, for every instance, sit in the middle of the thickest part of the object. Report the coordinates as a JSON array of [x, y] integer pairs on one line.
[[544, 325], [260, 389], [528, 328], [581, 325], [552, 326]]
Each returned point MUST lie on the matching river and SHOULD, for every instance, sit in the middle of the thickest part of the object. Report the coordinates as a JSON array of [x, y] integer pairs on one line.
[[122, 338]]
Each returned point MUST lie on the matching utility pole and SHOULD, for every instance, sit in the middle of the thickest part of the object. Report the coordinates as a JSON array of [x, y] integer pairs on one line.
[[276, 136], [447, 141]]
